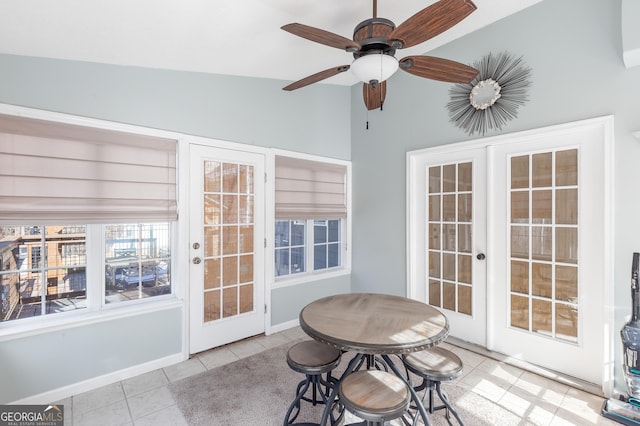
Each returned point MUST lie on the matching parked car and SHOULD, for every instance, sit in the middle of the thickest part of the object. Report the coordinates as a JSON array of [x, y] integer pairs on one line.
[[126, 277]]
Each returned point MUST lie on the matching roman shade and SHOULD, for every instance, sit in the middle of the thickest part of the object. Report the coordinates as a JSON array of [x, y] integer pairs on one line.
[[62, 173], [306, 189]]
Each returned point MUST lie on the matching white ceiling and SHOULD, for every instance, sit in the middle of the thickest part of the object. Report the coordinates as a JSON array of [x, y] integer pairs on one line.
[[233, 37]]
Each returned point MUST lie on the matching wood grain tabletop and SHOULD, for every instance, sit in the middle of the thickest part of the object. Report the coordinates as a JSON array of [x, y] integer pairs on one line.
[[373, 323]]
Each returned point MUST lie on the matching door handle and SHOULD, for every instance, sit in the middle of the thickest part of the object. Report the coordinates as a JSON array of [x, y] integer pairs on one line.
[[480, 256], [196, 260]]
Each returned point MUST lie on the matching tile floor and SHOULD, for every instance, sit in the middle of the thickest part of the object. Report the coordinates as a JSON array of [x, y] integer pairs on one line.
[[146, 400]]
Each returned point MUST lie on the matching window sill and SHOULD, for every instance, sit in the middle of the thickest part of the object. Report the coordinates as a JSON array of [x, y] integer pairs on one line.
[[11, 330], [288, 281]]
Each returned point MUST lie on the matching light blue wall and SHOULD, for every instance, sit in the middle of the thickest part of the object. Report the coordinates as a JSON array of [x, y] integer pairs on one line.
[[574, 50], [315, 120], [288, 301], [84, 352], [631, 33]]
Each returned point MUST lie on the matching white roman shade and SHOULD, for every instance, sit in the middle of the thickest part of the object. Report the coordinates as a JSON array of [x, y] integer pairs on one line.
[[62, 173], [306, 189]]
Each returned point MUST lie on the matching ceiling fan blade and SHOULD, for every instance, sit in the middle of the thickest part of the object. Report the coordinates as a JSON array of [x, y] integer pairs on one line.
[[430, 22], [321, 36], [374, 96], [438, 69], [319, 76]]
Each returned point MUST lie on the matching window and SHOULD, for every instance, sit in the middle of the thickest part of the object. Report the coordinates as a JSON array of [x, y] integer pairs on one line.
[[326, 244], [98, 184], [292, 253], [37, 285], [136, 264], [35, 257], [311, 212], [73, 253], [290, 247], [137, 261]]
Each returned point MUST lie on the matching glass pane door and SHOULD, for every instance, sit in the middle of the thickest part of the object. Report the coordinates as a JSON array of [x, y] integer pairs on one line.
[[228, 228], [548, 248], [450, 207], [544, 243], [447, 237], [226, 249], [538, 238]]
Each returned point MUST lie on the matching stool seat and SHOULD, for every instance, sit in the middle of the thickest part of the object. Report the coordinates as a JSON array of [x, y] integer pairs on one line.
[[434, 366], [438, 364], [374, 395], [312, 357]]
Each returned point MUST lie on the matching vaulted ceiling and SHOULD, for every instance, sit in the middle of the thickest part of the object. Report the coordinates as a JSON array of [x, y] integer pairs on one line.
[[233, 37]]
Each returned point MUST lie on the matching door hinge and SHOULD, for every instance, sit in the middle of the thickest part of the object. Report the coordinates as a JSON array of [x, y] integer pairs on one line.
[[265, 243], [265, 308], [265, 177]]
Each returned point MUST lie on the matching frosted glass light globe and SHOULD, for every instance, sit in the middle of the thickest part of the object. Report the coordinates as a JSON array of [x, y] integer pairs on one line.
[[376, 67]]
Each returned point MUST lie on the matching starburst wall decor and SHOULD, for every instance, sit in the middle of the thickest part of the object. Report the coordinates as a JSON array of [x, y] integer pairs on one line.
[[492, 98]]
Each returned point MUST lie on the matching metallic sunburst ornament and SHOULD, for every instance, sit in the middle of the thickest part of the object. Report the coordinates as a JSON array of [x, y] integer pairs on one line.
[[492, 98]]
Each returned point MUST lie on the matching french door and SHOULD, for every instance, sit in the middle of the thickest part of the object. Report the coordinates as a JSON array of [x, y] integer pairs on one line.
[[452, 203], [548, 241], [536, 283], [226, 246]]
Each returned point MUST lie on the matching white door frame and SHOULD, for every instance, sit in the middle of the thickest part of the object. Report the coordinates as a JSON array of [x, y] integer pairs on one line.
[[415, 213], [183, 257]]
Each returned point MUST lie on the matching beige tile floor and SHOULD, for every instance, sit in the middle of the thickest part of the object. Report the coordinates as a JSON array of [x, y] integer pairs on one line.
[[146, 400]]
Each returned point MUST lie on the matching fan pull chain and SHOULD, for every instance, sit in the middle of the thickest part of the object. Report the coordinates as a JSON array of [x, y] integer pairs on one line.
[[380, 88], [367, 107]]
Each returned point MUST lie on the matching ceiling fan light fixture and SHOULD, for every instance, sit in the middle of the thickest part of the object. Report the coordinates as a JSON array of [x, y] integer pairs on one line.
[[375, 67]]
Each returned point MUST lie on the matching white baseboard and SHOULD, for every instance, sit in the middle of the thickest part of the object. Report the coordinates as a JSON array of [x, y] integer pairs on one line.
[[96, 382], [284, 326]]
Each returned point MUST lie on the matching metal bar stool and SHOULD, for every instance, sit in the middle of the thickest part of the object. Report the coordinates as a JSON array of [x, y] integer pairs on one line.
[[313, 359], [434, 366], [375, 396]]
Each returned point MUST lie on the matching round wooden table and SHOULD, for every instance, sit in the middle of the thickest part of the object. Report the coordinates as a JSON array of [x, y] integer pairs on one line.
[[371, 323], [374, 324]]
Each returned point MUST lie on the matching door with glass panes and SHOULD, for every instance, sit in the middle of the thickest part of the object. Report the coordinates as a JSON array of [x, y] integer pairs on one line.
[[226, 285], [455, 246], [547, 232], [512, 236]]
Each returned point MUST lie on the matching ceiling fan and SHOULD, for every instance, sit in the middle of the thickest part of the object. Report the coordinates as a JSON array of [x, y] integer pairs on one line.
[[375, 42]]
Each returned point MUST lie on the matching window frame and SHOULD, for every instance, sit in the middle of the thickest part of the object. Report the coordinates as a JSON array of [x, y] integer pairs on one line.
[[97, 308], [326, 244], [104, 305], [310, 274], [309, 247], [93, 314], [345, 230], [290, 247]]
